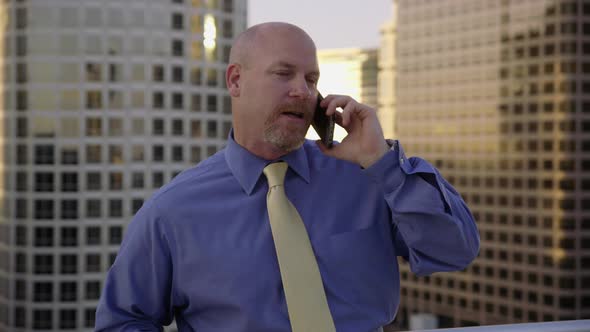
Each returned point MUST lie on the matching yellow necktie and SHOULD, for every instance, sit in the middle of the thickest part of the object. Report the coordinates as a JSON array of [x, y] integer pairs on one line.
[[302, 282]]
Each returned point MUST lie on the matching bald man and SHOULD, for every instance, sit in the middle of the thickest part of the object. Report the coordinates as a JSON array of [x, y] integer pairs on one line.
[[202, 249]]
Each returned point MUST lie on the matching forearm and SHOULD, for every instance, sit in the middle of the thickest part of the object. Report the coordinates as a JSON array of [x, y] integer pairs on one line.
[[431, 218]]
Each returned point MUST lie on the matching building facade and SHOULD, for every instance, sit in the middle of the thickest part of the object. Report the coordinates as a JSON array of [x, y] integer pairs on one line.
[[102, 103], [348, 71], [496, 93]]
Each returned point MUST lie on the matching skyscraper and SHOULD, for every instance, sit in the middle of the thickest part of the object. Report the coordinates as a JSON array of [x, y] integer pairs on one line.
[[348, 71], [103, 102], [496, 93]]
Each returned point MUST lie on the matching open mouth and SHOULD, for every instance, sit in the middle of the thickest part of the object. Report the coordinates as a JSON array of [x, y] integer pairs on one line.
[[297, 115]]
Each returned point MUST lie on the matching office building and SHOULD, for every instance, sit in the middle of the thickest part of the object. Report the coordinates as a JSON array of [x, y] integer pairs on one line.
[[103, 103], [386, 78], [348, 71], [496, 94]]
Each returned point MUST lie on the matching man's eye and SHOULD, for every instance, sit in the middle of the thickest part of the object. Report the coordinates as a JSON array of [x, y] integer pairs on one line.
[[282, 73]]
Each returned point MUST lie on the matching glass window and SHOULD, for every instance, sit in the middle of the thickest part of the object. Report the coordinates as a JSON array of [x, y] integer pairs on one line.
[[116, 181], [43, 291], [93, 153], [39, 44], [43, 100], [138, 127], [68, 45], [44, 182], [93, 17], [115, 100], [69, 182], [92, 290], [137, 153], [158, 74], [93, 236], [94, 72], [67, 319], [42, 319], [69, 264], [137, 180], [70, 72], [211, 77], [115, 208], [68, 291], [115, 235], [177, 153], [93, 208], [69, 237], [116, 154], [44, 154], [157, 153], [177, 47], [116, 18], [70, 100], [138, 99], [212, 103], [93, 263], [115, 127], [196, 154], [43, 127], [68, 17], [158, 127], [69, 209], [115, 72], [43, 264], [94, 45], [212, 129], [43, 237], [196, 102], [69, 155], [177, 21], [94, 99], [196, 128], [177, 74], [41, 72], [157, 179], [93, 127], [138, 72], [69, 127], [115, 45]]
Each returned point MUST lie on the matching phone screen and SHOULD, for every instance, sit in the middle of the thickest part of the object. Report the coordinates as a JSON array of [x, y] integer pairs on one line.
[[323, 124]]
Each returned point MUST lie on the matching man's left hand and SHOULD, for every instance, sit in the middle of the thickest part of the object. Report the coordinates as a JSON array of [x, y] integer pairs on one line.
[[365, 143]]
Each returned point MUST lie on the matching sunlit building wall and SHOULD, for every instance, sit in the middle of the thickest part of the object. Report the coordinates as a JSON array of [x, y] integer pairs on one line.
[[497, 95], [386, 79], [102, 103], [348, 71]]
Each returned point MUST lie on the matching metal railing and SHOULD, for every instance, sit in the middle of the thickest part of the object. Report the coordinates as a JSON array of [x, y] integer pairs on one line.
[[563, 326]]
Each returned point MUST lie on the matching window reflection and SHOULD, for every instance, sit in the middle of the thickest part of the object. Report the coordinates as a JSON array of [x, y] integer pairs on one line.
[[94, 99], [41, 99], [137, 99], [115, 100], [70, 72], [70, 100], [43, 126], [68, 45]]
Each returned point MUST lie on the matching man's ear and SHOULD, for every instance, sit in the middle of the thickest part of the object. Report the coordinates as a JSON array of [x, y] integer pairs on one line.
[[232, 79]]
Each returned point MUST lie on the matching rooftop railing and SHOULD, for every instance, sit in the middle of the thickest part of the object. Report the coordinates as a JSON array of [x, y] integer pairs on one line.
[[563, 326]]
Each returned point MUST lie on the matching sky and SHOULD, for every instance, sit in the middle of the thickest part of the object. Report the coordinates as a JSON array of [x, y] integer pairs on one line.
[[331, 23]]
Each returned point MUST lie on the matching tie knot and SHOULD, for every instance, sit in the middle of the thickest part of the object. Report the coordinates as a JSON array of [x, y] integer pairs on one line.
[[275, 173]]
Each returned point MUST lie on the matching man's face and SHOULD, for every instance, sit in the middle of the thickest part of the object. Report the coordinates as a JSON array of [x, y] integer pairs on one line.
[[278, 91]]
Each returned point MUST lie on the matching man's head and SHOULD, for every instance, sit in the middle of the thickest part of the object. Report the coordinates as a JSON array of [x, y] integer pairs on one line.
[[272, 79]]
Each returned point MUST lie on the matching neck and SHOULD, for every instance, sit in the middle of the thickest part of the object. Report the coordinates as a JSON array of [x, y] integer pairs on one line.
[[261, 149]]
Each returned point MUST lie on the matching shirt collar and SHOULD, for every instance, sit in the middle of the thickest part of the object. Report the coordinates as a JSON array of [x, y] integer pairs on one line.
[[247, 168]]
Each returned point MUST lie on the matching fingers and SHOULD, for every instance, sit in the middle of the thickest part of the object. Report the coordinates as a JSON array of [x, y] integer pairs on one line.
[[349, 107]]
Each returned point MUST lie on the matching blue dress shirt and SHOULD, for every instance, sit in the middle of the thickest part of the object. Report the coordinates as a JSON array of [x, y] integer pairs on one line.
[[201, 251]]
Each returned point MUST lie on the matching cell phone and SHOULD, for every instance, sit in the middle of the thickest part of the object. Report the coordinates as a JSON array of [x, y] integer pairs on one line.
[[323, 124]]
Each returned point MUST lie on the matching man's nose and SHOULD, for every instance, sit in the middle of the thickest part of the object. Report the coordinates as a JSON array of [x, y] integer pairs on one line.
[[300, 88]]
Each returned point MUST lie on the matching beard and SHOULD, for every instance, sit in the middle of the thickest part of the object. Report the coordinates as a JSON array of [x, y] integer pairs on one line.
[[287, 138]]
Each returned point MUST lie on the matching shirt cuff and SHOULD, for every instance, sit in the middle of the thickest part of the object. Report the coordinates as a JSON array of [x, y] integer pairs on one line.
[[387, 171]]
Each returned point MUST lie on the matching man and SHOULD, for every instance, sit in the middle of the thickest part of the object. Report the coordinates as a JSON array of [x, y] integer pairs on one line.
[[203, 249]]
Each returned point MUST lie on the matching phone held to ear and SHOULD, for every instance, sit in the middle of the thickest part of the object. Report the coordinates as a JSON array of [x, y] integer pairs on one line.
[[323, 124]]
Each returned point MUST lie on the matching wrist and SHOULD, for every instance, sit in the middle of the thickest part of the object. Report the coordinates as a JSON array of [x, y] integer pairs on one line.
[[373, 158]]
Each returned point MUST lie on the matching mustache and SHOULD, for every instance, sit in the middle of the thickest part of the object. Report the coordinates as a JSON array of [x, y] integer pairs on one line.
[[296, 106]]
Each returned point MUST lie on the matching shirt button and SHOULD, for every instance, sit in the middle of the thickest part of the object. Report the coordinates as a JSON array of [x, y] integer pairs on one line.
[[401, 161]]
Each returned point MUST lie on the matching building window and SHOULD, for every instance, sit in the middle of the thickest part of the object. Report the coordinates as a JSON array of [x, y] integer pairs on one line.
[[177, 74], [69, 237], [43, 237], [158, 74], [177, 48], [115, 208], [43, 264], [42, 319], [116, 181], [68, 291], [93, 235], [158, 100], [93, 153], [158, 153], [43, 209], [92, 263], [177, 21], [177, 153], [93, 208], [69, 182], [43, 292], [69, 264], [67, 319], [137, 181], [69, 209], [44, 154], [93, 181], [44, 182], [92, 291], [177, 101], [157, 179], [89, 315]]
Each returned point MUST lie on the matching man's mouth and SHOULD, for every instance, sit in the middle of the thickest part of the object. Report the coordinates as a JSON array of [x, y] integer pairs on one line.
[[294, 114]]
